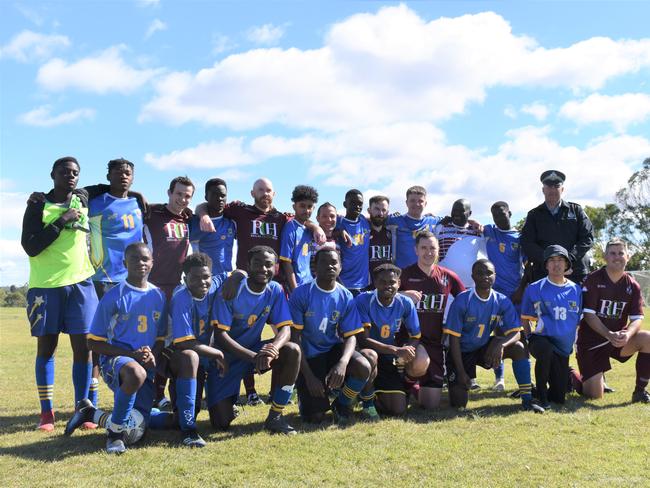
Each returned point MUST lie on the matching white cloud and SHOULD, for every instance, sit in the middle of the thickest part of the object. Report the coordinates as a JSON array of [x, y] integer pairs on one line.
[[148, 3], [43, 117], [618, 110], [222, 154], [28, 46], [103, 73], [222, 43], [14, 264], [537, 110], [155, 26], [267, 34], [393, 157], [13, 206], [31, 14], [384, 68], [510, 112]]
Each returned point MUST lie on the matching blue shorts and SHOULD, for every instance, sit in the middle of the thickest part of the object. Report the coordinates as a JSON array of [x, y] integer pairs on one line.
[[110, 367], [69, 309], [218, 389]]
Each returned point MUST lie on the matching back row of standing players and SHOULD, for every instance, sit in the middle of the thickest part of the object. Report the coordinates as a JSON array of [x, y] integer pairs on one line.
[[400, 343]]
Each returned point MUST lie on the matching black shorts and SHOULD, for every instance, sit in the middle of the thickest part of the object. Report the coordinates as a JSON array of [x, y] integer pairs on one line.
[[320, 365], [389, 379], [471, 359]]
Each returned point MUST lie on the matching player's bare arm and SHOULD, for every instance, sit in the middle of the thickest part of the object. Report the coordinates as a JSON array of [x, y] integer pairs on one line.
[[454, 347], [229, 345]]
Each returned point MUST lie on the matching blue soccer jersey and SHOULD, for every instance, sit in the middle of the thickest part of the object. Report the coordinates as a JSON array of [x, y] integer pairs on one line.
[[473, 319], [405, 229], [218, 245], [244, 316], [114, 224], [505, 252], [556, 309], [323, 317], [191, 317], [130, 317], [354, 258], [295, 247], [384, 322]]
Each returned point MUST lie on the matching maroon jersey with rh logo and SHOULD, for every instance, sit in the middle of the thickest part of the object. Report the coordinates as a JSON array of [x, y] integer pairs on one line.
[[435, 289], [255, 228], [380, 250], [167, 234], [615, 304]]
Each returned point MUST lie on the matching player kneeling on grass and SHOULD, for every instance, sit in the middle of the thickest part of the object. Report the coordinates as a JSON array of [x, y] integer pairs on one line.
[[321, 310], [191, 356], [240, 322], [554, 304], [383, 312], [473, 316], [128, 330], [611, 325]]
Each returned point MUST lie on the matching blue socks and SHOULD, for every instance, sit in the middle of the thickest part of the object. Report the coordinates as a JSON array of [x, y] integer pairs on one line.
[[44, 370], [185, 402], [122, 407], [350, 391], [81, 373], [521, 369], [280, 398]]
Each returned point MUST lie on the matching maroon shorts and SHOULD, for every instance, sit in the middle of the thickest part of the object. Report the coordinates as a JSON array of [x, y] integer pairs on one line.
[[435, 375], [592, 361]]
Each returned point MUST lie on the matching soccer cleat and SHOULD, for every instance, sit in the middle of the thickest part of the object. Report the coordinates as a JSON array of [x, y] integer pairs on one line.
[[83, 414], [253, 400], [342, 414], [369, 414], [499, 385], [640, 396], [191, 438], [46, 422], [278, 425], [474, 385], [163, 404], [115, 442], [88, 426], [516, 394], [533, 407], [608, 389], [236, 411]]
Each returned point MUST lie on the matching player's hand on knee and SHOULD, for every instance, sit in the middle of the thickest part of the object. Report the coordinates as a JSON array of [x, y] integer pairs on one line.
[[406, 353], [221, 363], [336, 376], [262, 362], [494, 354]]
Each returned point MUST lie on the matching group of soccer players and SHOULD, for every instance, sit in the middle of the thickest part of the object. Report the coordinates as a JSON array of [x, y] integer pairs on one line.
[[361, 310]]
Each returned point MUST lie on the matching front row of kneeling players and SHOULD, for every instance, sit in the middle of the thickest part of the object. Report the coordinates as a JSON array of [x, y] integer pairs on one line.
[[341, 345]]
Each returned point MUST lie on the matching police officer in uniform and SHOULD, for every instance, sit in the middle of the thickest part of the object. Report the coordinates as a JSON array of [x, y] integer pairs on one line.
[[557, 221]]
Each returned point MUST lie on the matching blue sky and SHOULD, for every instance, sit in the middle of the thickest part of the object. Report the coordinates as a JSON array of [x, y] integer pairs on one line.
[[470, 99]]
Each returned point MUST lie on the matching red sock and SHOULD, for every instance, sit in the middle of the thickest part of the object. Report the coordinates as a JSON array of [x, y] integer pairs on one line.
[[642, 370]]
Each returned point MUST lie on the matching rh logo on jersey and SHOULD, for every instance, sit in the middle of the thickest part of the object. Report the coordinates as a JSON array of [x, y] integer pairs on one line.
[[431, 302], [175, 230], [264, 229], [379, 253], [611, 309]]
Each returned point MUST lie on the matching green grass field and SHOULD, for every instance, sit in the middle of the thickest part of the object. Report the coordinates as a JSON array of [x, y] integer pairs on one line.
[[491, 444]]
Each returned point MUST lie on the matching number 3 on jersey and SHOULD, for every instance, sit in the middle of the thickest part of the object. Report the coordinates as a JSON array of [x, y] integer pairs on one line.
[[142, 323]]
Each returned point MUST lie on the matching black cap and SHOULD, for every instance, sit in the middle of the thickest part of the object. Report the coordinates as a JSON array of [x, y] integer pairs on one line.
[[555, 250], [552, 177]]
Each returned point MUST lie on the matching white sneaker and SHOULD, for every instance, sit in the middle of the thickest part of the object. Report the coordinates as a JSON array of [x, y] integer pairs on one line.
[[499, 386]]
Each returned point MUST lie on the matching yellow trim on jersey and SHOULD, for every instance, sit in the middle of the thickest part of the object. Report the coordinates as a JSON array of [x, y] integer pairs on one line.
[[391, 391], [97, 338], [284, 324], [367, 325], [529, 317], [451, 332], [223, 327], [417, 336], [214, 323], [353, 332], [297, 326], [514, 329], [161, 338], [282, 258], [184, 339]]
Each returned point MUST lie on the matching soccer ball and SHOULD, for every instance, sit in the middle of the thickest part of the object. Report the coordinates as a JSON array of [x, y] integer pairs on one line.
[[135, 427]]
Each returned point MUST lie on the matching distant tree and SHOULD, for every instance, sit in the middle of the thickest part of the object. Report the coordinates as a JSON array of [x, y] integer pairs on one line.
[[15, 299]]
